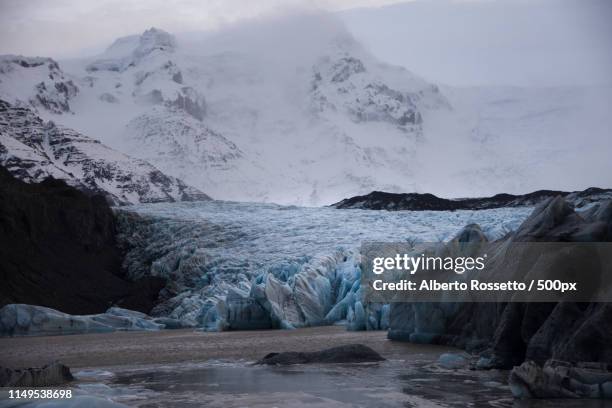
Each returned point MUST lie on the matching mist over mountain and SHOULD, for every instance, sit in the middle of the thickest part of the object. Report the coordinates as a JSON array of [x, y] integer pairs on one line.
[[294, 110]]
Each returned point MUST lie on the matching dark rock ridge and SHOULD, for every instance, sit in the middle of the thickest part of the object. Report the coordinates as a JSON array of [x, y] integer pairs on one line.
[[32, 150], [351, 353], [379, 200], [507, 334], [58, 249], [47, 376]]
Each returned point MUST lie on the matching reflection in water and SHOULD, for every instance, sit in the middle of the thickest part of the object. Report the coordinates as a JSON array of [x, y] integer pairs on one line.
[[395, 383]]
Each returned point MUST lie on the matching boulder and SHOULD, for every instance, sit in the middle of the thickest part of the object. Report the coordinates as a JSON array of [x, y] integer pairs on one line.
[[53, 374], [351, 353], [557, 379]]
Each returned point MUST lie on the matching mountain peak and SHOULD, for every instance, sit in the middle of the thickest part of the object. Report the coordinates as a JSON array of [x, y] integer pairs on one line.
[[128, 51], [155, 39]]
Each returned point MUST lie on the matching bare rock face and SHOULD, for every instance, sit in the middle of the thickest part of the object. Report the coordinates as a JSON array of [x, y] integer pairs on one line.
[[53, 374], [56, 241], [557, 379], [351, 353], [190, 101]]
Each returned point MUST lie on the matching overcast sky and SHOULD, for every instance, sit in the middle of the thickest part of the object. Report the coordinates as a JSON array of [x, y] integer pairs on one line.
[[459, 42]]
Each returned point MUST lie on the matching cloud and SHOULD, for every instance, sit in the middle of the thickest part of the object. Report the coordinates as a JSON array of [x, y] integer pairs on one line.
[[65, 27]]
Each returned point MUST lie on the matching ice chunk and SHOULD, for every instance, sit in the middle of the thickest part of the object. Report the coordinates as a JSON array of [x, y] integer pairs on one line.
[[453, 360], [29, 320]]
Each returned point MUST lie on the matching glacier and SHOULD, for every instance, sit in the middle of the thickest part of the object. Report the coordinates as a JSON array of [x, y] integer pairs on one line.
[[239, 266]]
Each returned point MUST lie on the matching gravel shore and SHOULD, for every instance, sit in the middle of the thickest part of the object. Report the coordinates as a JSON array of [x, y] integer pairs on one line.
[[176, 346]]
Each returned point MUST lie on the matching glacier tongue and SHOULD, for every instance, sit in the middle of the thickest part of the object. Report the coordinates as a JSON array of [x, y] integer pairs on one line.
[[254, 266]]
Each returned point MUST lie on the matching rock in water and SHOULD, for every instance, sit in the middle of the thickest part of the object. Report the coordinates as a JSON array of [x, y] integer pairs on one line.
[[351, 353], [557, 379], [50, 375]]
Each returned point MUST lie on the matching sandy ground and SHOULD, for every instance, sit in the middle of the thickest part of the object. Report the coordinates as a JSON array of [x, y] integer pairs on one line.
[[176, 346]]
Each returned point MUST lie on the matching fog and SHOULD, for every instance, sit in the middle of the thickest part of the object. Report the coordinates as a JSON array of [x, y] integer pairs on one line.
[[527, 43], [516, 96], [476, 42]]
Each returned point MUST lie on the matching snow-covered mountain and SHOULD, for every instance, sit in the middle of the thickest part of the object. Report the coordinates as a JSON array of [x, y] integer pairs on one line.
[[32, 150], [296, 111], [38, 81]]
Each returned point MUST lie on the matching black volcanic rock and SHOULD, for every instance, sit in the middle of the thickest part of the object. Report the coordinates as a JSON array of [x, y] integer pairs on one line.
[[379, 200], [58, 250], [557, 379], [351, 353], [47, 376]]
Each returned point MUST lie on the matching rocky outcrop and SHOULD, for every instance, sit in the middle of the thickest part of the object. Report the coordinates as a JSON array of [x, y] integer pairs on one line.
[[507, 334], [59, 250], [53, 374], [342, 83], [352, 353], [557, 379], [129, 51], [379, 200], [32, 150], [179, 143], [190, 101]]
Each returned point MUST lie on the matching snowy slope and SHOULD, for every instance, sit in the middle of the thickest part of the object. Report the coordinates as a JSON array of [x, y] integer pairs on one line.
[[32, 150], [38, 81], [295, 110]]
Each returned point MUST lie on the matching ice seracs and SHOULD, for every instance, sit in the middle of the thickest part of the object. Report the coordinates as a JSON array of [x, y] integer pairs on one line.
[[254, 266]]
